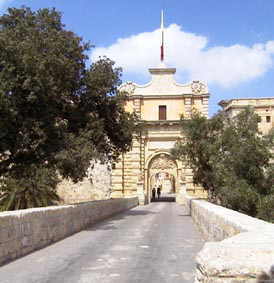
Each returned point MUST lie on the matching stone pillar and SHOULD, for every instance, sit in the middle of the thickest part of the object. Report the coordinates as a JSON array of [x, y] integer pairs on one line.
[[188, 107], [146, 188], [180, 196], [183, 198], [140, 193], [205, 106], [183, 187], [137, 106]]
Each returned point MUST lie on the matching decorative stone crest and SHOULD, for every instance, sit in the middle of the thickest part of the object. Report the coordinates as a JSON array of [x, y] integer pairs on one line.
[[163, 162], [197, 87], [128, 87], [140, 178], [183, 178]]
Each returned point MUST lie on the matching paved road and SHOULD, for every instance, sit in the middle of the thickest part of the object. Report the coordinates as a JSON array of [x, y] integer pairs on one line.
[[155, 243]]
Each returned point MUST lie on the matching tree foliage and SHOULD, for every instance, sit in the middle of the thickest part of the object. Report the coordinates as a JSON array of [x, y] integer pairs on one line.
[[230, 159], [55, 112]]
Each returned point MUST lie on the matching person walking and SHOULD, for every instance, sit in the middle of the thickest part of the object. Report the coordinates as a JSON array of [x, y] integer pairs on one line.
[[159, 192], [153, 193]]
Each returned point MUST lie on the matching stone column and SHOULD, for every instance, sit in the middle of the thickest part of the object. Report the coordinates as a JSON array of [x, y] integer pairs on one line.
[[146, 188], [180, 196], [183, 187], [205, 106], [137, 106], [188, 107], [140, 192]]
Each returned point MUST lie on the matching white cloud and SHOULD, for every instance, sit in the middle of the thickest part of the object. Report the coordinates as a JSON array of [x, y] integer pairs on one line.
[[223, 65]]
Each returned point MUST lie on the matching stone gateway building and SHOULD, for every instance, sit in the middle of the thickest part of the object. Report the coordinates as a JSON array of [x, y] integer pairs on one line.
[[263, 106], [160, 105]]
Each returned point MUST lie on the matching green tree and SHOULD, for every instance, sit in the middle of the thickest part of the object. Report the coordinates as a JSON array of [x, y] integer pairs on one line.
[[230, 159], [201, 149], [56, 113]]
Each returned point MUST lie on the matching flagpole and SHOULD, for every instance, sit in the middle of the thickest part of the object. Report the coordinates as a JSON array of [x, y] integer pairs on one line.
[[162, 37]]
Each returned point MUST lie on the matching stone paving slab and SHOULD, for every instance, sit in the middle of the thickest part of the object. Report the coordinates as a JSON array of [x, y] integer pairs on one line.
[[153, 243]]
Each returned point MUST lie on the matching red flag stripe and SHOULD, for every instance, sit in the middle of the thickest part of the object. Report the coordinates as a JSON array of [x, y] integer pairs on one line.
[[162, 52]]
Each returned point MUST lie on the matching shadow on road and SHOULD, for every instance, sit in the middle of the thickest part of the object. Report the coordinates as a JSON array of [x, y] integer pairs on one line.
[[163, 199], [109, 223]]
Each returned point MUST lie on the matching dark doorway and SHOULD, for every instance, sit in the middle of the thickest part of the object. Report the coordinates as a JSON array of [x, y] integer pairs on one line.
[[162, 112]]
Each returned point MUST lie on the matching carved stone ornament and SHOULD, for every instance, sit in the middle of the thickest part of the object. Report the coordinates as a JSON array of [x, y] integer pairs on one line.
[[140, 178], [127, 87], [197, 87], [183, 178], [163, 162]]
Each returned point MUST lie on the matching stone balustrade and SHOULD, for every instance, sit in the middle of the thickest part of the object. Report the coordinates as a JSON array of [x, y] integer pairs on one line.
[[240, 247], [24, 231]]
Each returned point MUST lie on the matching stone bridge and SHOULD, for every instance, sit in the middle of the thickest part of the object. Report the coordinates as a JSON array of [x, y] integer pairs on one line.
[[119, 241]]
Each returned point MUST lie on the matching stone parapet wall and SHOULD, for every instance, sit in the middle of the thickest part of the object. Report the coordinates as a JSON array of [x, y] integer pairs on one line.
[[244, 247], [24, 231]]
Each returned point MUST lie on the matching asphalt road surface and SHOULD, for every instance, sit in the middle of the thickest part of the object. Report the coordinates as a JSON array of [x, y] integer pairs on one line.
[[150, 244]]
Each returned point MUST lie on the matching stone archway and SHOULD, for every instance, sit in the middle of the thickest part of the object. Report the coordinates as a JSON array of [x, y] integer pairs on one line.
[[164, 180], [162, 170]]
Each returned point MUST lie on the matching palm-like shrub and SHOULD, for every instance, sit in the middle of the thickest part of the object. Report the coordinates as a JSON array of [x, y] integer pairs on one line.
[[35, 188]]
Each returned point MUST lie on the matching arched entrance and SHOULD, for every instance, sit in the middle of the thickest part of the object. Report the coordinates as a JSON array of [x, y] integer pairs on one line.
[[165, 181], [162, 172]]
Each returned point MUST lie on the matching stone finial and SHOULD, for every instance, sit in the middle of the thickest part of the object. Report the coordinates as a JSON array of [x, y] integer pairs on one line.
[[128, 88]]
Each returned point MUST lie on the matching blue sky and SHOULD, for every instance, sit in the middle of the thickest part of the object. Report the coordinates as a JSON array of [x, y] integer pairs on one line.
[[229, 44]]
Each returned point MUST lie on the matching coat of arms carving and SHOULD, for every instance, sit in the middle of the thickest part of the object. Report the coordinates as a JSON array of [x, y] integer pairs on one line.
[[163, 162], [197, 87]]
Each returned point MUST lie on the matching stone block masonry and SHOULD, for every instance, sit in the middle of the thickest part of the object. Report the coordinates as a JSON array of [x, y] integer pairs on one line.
[[240, 248], [24, 231], [96, 186]]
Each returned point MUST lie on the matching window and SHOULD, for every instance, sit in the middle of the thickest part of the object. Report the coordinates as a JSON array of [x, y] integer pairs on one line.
[[162, 112], [259, 119], [268, 119]]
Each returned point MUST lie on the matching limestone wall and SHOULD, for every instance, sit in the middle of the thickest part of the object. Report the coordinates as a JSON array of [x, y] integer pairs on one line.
[[264, 107], [126, 173], [96, 186], [245, 246], [24, 231]]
